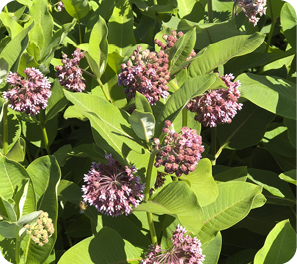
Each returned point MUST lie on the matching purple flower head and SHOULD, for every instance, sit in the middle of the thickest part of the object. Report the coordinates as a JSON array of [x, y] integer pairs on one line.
[[60, 6], [180, 152], [217, 106], [28, 95], [184, 249], [146, 72], [170, 41], [41, 230], [70, 75], [112, 189], [252, 8]]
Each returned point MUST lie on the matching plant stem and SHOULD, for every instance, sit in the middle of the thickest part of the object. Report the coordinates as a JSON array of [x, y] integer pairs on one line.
[[108, 97], [213, 147], [173, 85], [5, 129], [45, 137], [147, 196], [184, 117], [209, 8], [79, 31], [17, 249]]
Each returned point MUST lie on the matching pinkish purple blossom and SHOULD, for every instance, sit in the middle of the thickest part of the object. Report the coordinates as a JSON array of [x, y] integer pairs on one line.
[[146, 72], [184, 249], [70, 75], [60, 6], [112, 189], [217, 106], [252, 8], [180, 152], [28, 95]]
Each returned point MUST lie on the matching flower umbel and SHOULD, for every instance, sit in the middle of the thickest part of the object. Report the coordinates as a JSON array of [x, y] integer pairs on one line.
[[28, 95], [41, 230], [180, 152], [252, 8], [70, 75], [112, 189], [217, 106], [184, 249], [60, 6], [147, 73]]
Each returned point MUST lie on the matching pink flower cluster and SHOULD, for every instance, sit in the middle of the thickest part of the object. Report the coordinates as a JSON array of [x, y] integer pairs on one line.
[[28, 95], [217, 106], [41, 230], [184, 249], [170, 41], [147, 73], [60, 6], [112, 189], [180, 152], [70, 75], [252, 8]]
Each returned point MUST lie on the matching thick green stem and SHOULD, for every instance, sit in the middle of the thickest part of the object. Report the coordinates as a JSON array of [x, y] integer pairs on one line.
[[79, 31], [44, 133], [209, 8], [184, 117], [147, 196], [17, 249], [5, 129], [213, 147]]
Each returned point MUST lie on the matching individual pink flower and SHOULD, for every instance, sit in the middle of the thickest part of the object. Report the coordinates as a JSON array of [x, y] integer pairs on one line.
[[70, 75], [146, 72], [184, 249], [252, 8], [60, 6], [217, 106], [112, 189], [28, 95], [180, 152]]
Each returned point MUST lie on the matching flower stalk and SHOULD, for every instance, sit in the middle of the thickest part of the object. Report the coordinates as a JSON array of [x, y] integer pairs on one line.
[[5, 129], [44, 133]]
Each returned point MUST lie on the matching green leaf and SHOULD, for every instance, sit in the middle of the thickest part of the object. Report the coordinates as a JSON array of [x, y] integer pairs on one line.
[[191, 88], [288, 176], [276, 95], [77, 8], [110, 126], [280, 245], [45, 174], [10, 209], [142, 103], [212, 249], [18, 151], [182, 49], [105, 247], [9, 230], [291, 124], [232, 205], [202, 183], [222, 173], [69, 191], [98, 46], [143, 124], [288, 22], [3, 69], [93, 64], [14, 49], [244, 256], [274, 8], [246, 129], [12, 26], [179, 200], [42, 32], [29, 218], [120, 25], [212, 56], [185, 7]]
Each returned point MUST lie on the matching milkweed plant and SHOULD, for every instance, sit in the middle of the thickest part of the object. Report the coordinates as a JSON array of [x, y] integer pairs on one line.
[[148, 131]]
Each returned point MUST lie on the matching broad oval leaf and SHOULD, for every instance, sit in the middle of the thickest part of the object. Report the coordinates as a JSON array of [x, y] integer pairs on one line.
[[179, 200], [280, 245], [212, 56], [77, 8], [274, 94], [288, 22], [234, 202], [202, 183], [106, 247], [143, 124], [142, 103]]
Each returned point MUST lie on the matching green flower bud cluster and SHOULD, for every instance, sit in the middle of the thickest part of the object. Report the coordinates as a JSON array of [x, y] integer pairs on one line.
[[41, 230]]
